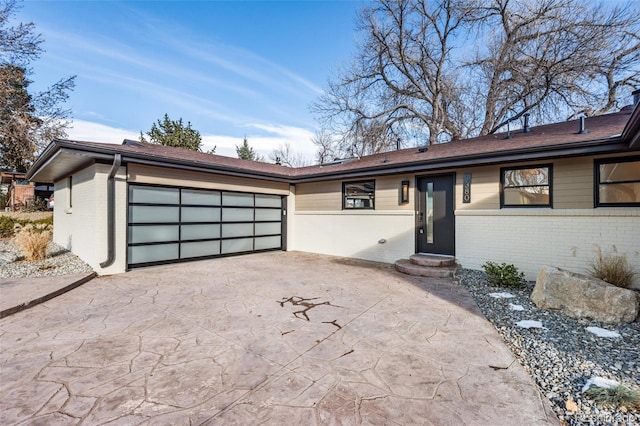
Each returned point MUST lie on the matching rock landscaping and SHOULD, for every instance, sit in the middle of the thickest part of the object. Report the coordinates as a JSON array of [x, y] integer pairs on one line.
[[59, 261], [564, 353]]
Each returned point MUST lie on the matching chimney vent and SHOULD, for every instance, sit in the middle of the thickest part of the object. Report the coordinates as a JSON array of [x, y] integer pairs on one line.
[[526, 128], [636, 97], [582, 129]]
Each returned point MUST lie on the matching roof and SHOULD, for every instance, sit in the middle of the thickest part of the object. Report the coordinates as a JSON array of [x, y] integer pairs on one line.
[[609, 133]]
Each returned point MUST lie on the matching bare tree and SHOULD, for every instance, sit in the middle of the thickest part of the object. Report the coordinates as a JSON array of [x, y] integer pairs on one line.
[[285, 156], [417, 75], [400, 77], [326, 146]]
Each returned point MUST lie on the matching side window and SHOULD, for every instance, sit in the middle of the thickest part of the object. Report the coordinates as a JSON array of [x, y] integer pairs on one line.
[[617, 182], [528, 186], [70, 192], [358, 195]]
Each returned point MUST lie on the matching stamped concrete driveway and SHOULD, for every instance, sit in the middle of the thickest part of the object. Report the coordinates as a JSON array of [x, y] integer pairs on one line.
[[273, 338]]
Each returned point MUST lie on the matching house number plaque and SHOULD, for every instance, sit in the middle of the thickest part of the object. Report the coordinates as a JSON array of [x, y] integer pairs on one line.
[[466, 188]]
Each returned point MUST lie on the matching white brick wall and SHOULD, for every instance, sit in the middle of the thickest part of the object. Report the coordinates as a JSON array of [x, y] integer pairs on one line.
[[356, 234], [531, 238], [82, 229]]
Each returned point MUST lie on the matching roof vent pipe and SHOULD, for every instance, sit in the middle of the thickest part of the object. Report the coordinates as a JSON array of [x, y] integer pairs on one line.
[[526, 128], [582, 130], [111, 212], [636, 97]]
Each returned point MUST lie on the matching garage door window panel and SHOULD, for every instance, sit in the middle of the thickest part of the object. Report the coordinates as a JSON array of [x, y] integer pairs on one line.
[[200, 214], [199, 249], [154, 214], [237, 246], [199, 232], [274, 201], [154, 195], [268, 228], [237, 199], [232, 214], [153, 253], [154, 233], [200, 198]]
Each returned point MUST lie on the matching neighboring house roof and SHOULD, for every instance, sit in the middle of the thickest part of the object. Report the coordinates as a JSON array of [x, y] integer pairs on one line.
[[610, 133]]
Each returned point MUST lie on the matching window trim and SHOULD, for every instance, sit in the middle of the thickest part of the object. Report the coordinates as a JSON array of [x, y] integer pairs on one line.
[[596, 180], [344, 195], [528, 206]]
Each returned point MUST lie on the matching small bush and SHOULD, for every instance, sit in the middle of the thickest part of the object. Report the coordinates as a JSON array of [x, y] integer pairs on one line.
[[33, 240], [46, 221], [503, 275], [617, 396], [612, 268], [6, 226]]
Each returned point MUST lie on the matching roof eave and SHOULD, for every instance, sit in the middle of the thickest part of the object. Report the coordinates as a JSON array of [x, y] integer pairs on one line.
[[199, 167], [602, 146], [105, 152]]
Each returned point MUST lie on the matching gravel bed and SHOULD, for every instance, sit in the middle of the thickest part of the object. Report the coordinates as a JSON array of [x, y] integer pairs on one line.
[[59, 262], [563, 355]]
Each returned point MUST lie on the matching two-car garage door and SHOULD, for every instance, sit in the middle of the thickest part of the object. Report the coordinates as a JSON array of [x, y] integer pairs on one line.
[[167, 224]]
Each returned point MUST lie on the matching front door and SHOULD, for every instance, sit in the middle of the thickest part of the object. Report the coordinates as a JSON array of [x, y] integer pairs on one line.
[[435, 218]]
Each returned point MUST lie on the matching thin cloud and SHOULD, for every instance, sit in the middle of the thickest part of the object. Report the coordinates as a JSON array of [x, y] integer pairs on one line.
[[84, 130]]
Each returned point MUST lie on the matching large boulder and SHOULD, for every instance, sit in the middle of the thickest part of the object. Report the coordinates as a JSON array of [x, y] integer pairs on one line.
[[581, 296]]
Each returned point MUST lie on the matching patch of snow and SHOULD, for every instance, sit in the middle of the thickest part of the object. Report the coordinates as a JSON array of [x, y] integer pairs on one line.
[[529, 324], [503, 295], [601, 332], [600, 382], [516, 307]]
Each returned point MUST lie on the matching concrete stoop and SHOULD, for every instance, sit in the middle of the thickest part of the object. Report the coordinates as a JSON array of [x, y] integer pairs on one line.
[[428, 265]]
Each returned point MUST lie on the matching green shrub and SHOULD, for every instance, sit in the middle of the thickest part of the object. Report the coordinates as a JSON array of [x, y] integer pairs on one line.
[[6, 226], [612, 268], [618, 396], [503, 275], [46, 221]]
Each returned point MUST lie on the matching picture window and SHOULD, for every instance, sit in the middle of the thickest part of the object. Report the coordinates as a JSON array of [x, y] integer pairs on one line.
[[528, 186], [618, 182], [358, 195]]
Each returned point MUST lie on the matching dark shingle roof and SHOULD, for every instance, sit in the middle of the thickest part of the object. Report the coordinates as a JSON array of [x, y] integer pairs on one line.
[[604, 134]]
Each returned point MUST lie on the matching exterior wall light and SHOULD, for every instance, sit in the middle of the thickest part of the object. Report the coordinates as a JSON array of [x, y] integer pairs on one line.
[[404, 192]]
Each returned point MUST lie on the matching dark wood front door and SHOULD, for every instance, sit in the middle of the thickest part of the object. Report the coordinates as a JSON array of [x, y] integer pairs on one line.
[[435, 220]]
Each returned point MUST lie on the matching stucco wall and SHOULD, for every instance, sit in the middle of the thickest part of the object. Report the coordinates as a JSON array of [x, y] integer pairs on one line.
[[82, 228], [531, 238], [356, 234]]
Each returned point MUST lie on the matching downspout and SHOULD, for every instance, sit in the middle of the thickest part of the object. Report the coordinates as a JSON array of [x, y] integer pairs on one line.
[[111, 212]]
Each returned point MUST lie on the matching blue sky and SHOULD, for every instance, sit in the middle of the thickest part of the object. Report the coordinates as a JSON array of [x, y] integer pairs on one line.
[[231, 68]]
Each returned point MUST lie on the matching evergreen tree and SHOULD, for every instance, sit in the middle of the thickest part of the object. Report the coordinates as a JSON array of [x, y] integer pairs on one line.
[[28, 121], [173, 133], [246, 152]]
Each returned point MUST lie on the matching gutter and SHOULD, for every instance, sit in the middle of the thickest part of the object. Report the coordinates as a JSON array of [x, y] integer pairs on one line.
[[111, 212]]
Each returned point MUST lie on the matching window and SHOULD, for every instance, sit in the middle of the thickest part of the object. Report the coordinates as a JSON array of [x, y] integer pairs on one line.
[[70, 186], [526, 186], [358, 195], [618, 182]]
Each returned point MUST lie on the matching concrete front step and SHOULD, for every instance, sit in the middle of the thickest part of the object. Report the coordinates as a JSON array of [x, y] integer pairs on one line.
[[406, 266], [433, 260]]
